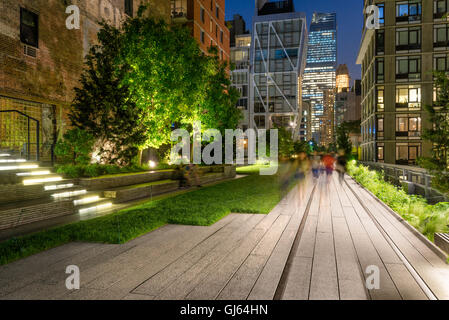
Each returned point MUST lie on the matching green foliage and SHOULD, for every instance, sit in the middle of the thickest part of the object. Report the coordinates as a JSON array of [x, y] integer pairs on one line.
[[75, 147], [285, 144], [252, 194], [102, 103], [96, 170], [426, 218], [438, 135], [343, 131], [218, 109]]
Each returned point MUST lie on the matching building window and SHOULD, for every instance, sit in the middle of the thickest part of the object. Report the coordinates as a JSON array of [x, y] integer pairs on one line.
[[408, 126], [221, 36], [440, 35], [202, 37], [381, 13], [380, 97], [441, 62], [408, 97], [380, 42], [29, 28], [380, 70], [217, 12], [202, 15], [216, 31], [380, 153], [440, 8], [211, 5], [408, 11], [179, 8], [408, 68], [211, 26], [129, 7], [408, 39], [407, 153], [380, 128]]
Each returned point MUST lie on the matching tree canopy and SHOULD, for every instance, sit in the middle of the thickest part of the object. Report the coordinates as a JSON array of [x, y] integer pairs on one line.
[[143, 80]]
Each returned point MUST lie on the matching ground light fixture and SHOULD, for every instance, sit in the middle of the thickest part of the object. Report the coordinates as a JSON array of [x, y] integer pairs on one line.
[[4, 155], [152, 164], [86, 200], [95, 208], [43, 180]]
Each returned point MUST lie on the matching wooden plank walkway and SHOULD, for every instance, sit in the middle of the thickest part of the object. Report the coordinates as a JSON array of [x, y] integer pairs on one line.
[[317, 249]]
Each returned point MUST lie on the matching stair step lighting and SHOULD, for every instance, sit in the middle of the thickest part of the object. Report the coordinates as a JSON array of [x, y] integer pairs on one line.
[[86, 200], [69, 194], [42, 180], [58, 186], [95, 208], [23, 167], [34, 173]]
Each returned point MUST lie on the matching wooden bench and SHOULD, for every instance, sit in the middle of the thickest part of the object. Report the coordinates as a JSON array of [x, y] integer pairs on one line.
[[442, 241], [141, 191]]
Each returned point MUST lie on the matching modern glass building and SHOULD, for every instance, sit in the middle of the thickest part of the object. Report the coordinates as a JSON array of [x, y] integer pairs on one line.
[[278, 61], [319, 75]]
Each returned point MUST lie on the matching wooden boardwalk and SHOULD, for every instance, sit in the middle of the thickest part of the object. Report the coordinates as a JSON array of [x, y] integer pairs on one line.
[[319, 248]]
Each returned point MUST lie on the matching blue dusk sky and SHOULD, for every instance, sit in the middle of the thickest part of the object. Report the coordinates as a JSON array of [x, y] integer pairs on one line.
[[349, 23]]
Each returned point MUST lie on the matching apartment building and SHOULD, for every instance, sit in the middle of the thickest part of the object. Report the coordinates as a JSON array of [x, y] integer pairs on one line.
[[41, 61], [206, 18], [397, 60]]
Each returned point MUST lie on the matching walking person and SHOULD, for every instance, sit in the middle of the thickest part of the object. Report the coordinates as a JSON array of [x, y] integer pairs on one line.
[[302, 169], [316, 164], [329, 163], [341, 165]]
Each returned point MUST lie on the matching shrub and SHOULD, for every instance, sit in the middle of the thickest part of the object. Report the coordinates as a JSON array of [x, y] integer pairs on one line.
[[428, 219], [75, 147], [96, 170]]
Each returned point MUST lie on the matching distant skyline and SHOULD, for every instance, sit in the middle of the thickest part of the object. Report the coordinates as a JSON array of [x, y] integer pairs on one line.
[[349, 23]]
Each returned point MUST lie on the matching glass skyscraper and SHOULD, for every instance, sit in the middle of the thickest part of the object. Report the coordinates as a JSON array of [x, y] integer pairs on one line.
[[319, 75], [278, 62]]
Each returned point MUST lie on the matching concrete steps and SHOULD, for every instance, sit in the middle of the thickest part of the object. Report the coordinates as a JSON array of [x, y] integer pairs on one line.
[[30, 193]]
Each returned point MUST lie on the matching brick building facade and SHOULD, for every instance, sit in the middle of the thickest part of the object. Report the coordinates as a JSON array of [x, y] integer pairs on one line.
[[41, 62], [206, 18]]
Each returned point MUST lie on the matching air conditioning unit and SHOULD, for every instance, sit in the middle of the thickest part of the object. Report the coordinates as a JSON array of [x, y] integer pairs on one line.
[[30, 51]]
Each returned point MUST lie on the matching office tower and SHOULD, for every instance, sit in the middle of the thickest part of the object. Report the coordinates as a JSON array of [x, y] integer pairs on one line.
[[343, 78], [278, 60], [206, 18], [320, 72], [397, 82]]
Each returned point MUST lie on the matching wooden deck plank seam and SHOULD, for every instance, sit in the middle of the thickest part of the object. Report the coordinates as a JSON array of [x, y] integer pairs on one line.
[[429, 293]]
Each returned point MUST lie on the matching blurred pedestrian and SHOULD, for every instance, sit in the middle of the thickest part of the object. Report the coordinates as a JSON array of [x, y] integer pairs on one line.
[[302, 170], [316, 163], [341, 165], [329, 163]]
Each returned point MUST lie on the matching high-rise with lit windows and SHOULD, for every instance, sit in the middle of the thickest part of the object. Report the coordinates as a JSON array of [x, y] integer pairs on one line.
[[397, 60], [319, 75]]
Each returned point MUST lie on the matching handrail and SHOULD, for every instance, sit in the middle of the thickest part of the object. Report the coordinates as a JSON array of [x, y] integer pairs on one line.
[[29, 138]]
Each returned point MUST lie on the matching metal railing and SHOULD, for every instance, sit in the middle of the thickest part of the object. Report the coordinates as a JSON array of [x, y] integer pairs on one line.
[[413, 175], [28, 143]]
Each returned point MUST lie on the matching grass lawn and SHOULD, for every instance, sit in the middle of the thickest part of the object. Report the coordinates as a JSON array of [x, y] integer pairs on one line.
[[203, 207]]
